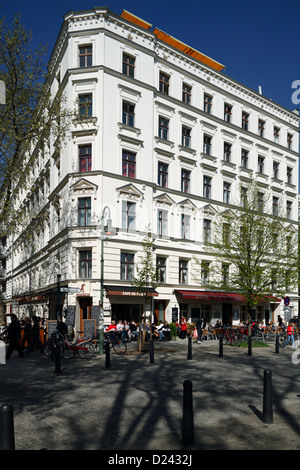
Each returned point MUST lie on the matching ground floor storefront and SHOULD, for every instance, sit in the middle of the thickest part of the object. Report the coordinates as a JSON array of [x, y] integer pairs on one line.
[[81, 308]]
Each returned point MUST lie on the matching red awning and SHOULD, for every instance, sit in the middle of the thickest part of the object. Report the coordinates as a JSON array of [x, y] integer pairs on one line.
[[203, 295], [219, 296]]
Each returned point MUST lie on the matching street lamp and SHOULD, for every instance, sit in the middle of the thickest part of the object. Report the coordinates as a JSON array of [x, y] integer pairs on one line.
[[105, 231]]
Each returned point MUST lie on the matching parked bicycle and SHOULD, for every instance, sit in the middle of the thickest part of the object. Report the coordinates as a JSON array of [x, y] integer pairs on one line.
[[67, 349], [116, 342], [232, 336]]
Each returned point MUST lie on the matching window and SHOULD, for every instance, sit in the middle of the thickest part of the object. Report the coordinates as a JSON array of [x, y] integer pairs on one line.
[[226, 192], [85, 56], [162, 223], [261, 165], [164, 83], [243, 197], [84, 211], [86, 105], [207, 187], [163, 128], [128, 164], [261, 128], [128, 65], [276, 135], [85, 264], [275, 206], [275, 170], [207, 144], [161, 266], [186, 93], [227, 112], [227, 152], [289, 209], [207, 230], [185, 180], [127, 266], [162, 179], [289, 175], [207, 104], [128, 215], [245, 121], [244, 159], [261, 201], [204, 273], [185, 226], [226, 233], [186, 137], [289, 141], [85, 158], [183, 271], [225, 273], [128, 114]]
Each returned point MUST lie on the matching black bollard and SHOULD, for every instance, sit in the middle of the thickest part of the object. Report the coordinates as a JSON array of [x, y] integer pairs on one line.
[[189, 347], [268, 400], [277, 344], [249, 346], [151, 351], [7, 436], [221, 346], [188, 418], [107, 355]]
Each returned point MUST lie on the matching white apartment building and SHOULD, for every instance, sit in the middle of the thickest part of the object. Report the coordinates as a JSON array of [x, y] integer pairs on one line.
[[167, 142]]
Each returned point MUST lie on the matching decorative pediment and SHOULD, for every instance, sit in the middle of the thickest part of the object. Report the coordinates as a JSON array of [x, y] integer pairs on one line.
[[129, 190], [163, 199], [208, 209], [229, 214], [84, 186], [186, 204]]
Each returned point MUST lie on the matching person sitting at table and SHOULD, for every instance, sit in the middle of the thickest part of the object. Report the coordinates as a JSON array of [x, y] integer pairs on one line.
[[133, 331], [112, 326], [183, 328]]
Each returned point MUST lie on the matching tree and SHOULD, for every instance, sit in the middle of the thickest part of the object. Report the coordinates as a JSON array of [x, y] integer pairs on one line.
[[251, 251], [146, 281], [29, 116]]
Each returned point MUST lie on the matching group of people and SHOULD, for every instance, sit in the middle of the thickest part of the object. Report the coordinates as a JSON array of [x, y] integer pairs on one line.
[[31, 335], [129, 331]]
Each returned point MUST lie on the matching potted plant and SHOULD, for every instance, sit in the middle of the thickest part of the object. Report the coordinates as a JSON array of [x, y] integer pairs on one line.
[[173, 329], [191, 328]]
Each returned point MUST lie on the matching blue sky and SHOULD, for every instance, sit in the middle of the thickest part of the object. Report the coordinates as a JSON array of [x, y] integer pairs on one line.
[[258, 40]]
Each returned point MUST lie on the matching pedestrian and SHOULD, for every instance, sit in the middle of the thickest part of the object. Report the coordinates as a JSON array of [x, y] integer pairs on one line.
[[35, 338], [14, 333], [200, 325], [27, 333], [290, 336]]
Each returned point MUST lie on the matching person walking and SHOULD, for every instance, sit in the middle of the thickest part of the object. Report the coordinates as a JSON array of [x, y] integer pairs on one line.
[[14, 333], [27, 333], [290, 336], [200, 325], [35, 335]]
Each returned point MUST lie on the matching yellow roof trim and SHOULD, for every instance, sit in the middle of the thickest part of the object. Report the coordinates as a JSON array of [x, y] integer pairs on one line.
[[188, 50], [135, 19]]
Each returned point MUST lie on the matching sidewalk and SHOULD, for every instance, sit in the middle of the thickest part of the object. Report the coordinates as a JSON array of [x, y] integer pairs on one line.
[[137, 405]]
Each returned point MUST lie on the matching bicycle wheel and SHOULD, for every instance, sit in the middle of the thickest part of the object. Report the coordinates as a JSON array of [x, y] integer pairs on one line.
[[85, 350], [49, 347], [119, 346], [68, 351]]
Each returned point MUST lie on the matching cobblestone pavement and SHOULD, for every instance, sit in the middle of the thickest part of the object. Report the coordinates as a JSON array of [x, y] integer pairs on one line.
[[138, 405]]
